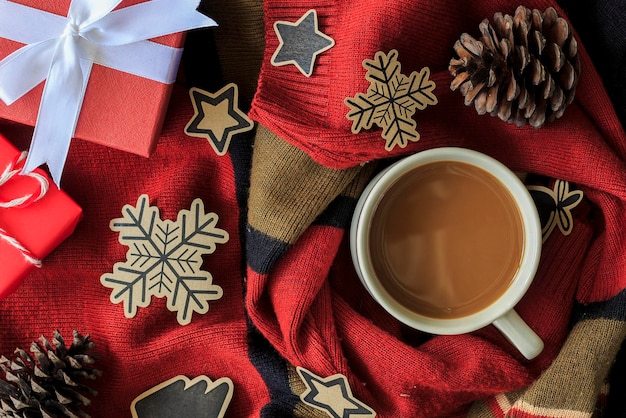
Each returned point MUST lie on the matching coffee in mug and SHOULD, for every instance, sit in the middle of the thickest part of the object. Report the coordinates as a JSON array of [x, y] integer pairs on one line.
[[448, 240]]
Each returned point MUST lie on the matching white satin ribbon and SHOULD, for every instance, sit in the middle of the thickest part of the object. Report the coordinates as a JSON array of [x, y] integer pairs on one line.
[[62, 50]]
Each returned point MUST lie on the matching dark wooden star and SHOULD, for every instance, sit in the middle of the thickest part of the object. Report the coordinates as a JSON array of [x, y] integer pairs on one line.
[[300, 43]]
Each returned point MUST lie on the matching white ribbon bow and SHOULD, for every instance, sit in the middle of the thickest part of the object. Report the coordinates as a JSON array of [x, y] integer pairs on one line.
[[62, 51]]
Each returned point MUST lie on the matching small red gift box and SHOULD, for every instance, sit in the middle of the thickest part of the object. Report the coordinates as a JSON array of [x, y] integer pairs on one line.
[[38, 227], [119, 110]]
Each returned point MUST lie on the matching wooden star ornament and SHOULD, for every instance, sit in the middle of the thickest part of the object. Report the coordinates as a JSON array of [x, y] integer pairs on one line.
[[217, 117], [332, 395], [300, 43]]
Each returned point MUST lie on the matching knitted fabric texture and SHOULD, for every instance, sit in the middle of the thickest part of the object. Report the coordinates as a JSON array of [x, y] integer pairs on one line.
[[576, 303], [602, 27], [291, 296]]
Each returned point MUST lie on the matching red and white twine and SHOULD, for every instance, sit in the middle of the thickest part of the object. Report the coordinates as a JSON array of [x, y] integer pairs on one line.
[[13, 169]]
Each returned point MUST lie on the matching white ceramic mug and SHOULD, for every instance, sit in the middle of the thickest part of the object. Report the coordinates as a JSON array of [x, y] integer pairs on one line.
[[500, 313]]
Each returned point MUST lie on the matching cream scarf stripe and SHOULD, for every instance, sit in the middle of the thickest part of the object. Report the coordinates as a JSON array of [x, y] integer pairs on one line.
[[527, 408]]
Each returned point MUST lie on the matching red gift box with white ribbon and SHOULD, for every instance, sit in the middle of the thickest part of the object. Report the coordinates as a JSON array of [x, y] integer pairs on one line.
[[100, 71]]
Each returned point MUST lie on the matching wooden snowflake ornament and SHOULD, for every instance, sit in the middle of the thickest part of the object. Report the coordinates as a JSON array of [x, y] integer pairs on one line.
[[391, 100], [555, 206], [164, 259]]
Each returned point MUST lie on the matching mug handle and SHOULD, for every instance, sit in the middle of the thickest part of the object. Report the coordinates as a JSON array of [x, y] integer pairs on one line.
[[519, 334]]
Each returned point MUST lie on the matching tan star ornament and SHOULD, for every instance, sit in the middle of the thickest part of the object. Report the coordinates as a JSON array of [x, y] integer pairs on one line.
[[217, 117], [332, 395]]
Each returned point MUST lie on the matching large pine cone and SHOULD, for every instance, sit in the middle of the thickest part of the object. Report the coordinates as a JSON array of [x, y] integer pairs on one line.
[[524, 68], [48, 385]]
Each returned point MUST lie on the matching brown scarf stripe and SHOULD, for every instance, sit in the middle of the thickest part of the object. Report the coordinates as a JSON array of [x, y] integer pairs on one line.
[[302, 410], [339, 212], [240, 42], [278, 212], [574, 380], [571, 385], [284, 209]]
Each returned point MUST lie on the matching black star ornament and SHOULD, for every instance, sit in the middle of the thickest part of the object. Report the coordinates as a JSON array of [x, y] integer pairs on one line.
[[300, 43], [217, 117]]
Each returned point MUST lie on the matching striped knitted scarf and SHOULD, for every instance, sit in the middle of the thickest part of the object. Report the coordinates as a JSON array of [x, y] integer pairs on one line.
[[303, 300]]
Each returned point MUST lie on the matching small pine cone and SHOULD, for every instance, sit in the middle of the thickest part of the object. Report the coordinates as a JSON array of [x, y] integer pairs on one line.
[[524, 68], [47, 384]]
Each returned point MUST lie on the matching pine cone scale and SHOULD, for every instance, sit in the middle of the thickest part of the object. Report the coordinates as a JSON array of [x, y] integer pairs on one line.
[[568, 76]]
